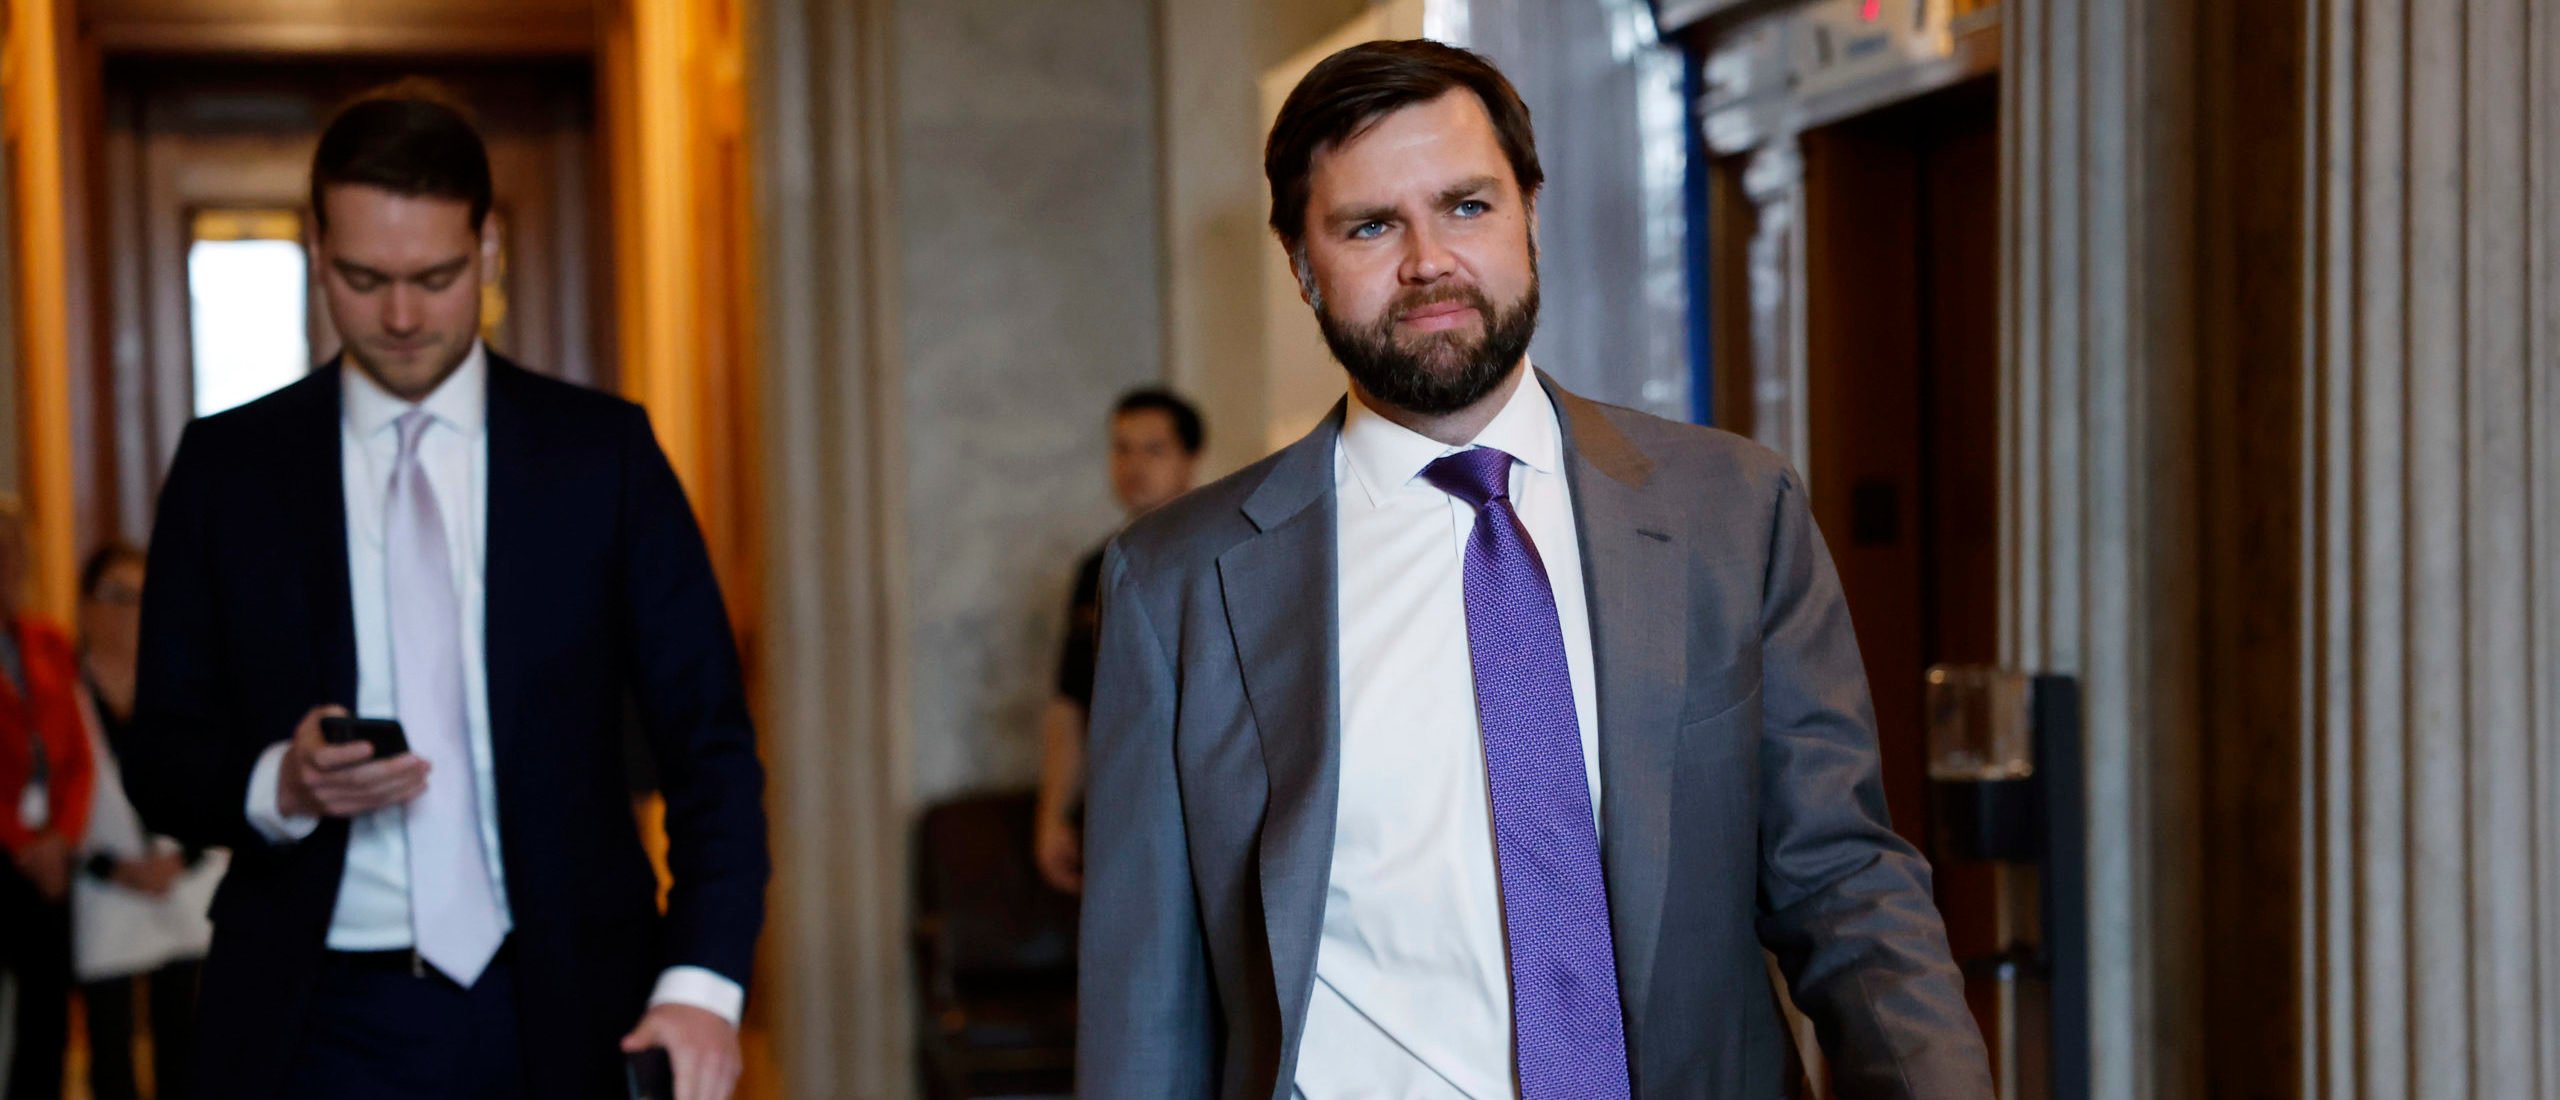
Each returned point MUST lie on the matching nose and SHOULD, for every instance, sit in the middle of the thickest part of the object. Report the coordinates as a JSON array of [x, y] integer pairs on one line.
[[400, 311], [1426, 259]]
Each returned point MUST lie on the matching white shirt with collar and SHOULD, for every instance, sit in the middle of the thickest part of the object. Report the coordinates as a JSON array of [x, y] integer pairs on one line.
[[373, 893], [1413, 992]]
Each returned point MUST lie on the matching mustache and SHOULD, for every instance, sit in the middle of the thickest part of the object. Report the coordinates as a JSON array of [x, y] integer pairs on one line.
[[1407, 304]]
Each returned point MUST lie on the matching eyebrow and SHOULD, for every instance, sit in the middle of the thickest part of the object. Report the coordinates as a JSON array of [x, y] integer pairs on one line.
[[1362, 215], [1462, 189], [454, 265]]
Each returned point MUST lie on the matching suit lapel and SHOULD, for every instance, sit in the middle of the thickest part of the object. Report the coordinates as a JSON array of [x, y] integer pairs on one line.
[[513, 511], [1636, 582], [318, 459], [1279, 589]]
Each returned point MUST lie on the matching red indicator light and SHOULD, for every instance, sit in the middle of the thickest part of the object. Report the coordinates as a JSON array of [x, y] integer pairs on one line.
[[1871, 10]]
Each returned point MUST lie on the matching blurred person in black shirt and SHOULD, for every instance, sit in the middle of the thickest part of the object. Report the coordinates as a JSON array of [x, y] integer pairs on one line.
[[1155, 457]]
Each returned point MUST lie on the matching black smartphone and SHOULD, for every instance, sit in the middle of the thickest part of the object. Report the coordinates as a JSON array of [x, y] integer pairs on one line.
[[384, 734], [651, 1075]]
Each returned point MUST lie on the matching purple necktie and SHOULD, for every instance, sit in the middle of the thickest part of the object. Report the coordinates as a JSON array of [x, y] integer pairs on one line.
[[1568, 1037]]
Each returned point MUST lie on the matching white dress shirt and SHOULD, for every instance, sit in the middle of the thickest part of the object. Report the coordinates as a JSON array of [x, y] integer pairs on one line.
[[1413, 992], [373, 893]]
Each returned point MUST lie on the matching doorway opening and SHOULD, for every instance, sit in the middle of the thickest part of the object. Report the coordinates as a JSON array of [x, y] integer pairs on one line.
[[1902, 414]]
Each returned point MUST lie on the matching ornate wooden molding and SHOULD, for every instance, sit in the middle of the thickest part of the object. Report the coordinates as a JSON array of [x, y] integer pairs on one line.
[[537, 36]]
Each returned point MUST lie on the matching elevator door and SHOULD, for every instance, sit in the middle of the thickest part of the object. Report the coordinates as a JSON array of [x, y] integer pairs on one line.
[[1901, 210]]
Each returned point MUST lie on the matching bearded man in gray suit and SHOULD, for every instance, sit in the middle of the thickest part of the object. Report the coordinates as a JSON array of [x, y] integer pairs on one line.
[[1478, 744]]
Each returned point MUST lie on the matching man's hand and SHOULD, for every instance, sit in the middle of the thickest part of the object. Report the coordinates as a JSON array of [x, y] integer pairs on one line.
[[324, 780], [46, 861], [1060, 853], [701, 1046], [151, 875]]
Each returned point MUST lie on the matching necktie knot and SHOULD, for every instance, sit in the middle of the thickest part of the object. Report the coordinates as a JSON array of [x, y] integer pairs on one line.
[[1478, 475], [413, 426]]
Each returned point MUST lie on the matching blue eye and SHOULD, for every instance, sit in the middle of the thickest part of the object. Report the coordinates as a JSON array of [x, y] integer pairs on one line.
[[1472, 208], [1368, 230]]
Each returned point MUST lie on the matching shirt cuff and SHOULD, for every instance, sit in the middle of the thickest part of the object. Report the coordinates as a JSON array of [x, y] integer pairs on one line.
[[703, 989], [271, 822]]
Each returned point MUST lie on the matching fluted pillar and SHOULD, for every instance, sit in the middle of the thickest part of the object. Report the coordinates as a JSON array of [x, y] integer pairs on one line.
[[2099, 475], [2432, 615], [835, 727]]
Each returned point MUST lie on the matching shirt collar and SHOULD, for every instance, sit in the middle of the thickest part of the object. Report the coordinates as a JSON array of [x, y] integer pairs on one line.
[[461, 401], [1386, 457]]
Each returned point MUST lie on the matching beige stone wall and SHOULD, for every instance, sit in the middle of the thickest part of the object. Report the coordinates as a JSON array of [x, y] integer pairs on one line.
[[1031, 296]]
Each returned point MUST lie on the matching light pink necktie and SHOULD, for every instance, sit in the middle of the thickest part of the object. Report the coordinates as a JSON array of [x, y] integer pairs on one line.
[[451, 899]]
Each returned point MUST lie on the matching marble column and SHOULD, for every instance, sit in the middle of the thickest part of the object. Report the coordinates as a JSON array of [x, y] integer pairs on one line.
[[836, 685], [2432, 613], [1215, 243], [2098, 474]]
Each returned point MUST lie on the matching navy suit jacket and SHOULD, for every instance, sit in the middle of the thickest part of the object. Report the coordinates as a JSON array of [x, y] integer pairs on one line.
[[600, 596]]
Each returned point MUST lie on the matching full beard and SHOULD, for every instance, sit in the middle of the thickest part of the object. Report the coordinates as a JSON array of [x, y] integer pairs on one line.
[[1443, 372]]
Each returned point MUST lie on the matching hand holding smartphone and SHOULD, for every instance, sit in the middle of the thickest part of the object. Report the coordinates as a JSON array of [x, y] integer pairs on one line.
[[384, 734], [651, 1075]]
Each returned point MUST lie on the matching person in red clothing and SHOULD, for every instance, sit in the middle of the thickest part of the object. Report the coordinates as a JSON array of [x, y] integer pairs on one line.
[[45, 777]]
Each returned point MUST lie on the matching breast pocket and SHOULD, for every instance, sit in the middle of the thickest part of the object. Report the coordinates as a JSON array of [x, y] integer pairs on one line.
[[1718, 692], [1724, 745]]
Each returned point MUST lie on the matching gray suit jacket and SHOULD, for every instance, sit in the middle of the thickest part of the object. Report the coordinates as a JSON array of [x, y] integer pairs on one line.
[[1742, 804]]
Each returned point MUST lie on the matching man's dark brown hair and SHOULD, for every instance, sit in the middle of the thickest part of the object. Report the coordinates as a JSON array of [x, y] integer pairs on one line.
[[410, 138], [1187, 429], [1350, 91]]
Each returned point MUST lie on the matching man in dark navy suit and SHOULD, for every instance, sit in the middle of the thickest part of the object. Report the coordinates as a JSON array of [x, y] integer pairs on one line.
[[503, 563]]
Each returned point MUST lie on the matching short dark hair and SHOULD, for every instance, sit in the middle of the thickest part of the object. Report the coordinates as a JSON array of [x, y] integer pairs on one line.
[[1350, 91], [410, 138], [93, 570], [1186, 420]]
